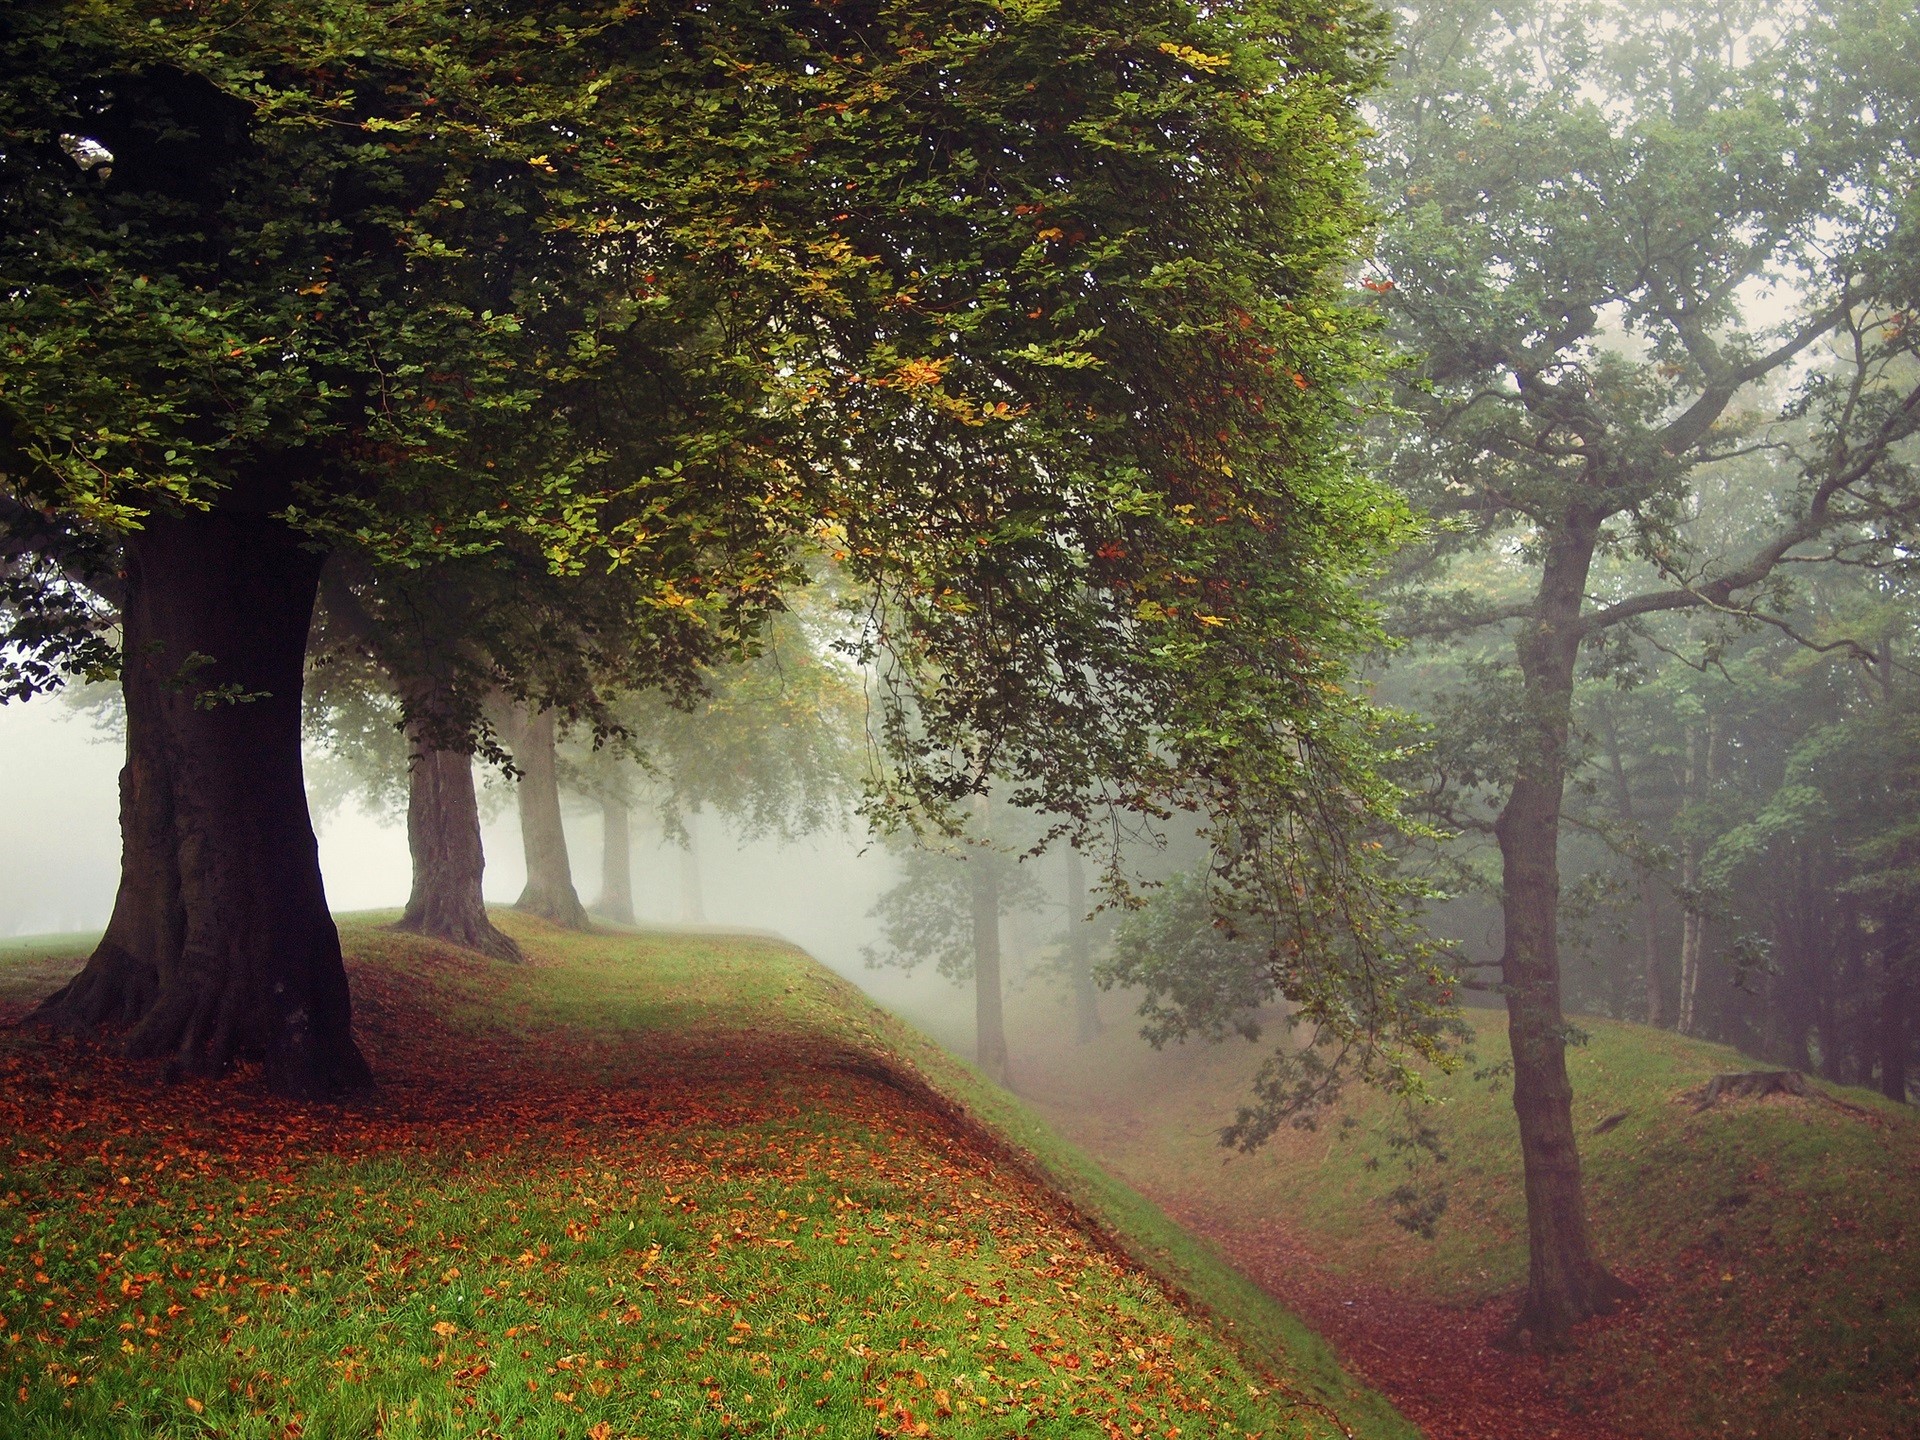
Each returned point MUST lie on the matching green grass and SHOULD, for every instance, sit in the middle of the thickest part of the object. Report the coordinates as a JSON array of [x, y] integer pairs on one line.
[[645, 1185], [1772, 1241]]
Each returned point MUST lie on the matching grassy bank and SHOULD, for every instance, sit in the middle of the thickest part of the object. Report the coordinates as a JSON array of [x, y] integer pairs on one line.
[[644, 1185], [1772, 1240]]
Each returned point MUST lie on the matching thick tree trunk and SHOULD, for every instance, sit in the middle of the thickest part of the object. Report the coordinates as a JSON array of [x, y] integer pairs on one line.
[[616, 862], [443, 834], [549, 891], [1086, 996], [221, 946], [1565, 1283]]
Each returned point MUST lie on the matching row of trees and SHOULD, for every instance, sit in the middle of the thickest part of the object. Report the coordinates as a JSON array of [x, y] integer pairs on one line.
[[550, 354]]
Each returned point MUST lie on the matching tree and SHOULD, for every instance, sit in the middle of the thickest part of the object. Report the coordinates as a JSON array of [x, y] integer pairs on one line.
[[947, 908], [774, 743], [1079, 951], [252, 333], [1584, 200], [412, 636], [684, 291]]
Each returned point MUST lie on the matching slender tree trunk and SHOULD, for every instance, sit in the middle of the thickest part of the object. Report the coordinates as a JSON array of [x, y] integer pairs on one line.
[[443, 834], [989, 1012], [221, 946], [1896, 1003], [989, 1003], [1086, 996], [549, 892], [1649, 895], [693, 905], [616, 861], [1565, 1282], [1701, 746]]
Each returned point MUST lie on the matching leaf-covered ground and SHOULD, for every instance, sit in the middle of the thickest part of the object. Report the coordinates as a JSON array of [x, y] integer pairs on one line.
[[1773, 1241], [644, 1186]]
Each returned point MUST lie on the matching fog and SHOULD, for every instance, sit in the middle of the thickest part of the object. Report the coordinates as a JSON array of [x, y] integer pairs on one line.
[[60, 862]]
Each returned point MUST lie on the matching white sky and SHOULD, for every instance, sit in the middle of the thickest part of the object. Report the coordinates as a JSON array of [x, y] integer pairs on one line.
[[60, 854]]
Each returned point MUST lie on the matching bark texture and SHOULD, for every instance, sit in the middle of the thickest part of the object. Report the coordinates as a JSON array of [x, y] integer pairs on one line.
[[443, 835], [549, 892], [1565, 1282], [220, 946], [616, 862]]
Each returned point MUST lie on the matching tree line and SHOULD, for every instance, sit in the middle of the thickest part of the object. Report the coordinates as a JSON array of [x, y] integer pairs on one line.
[[550, 355]]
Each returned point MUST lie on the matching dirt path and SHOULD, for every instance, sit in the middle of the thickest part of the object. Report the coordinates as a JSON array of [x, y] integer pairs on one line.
[[1441, 1365]]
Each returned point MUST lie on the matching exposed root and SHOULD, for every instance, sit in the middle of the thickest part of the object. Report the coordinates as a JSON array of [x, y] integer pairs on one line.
[[481, 936]]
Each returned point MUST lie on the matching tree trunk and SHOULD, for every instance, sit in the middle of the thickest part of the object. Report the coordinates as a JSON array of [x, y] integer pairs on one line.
[[549, 892], [1086, 996], [989, 1013], [616, 862], [1896, 1000], [1649, 895], [1693, 928], [693, 907], [221, 946], [443, 834], [1565, 1283]]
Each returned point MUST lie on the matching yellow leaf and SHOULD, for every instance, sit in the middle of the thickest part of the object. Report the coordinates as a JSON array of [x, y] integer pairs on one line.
[[1199, 59]]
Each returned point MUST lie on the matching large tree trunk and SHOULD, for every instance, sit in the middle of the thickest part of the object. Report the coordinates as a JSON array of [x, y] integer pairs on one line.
[[220, 946], [549, 891], [1565, 1283], [443, 834], [1086, 996], [616, 861]]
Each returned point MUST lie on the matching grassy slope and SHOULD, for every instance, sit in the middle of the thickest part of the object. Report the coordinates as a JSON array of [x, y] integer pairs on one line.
[[1773, 1240], [648, 1185]]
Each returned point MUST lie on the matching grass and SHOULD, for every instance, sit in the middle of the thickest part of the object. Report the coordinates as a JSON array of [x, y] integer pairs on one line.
[[1772, 1241], [645, 1185]]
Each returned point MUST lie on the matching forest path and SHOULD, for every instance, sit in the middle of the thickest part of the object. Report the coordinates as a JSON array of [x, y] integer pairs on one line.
[[1443, 1366]]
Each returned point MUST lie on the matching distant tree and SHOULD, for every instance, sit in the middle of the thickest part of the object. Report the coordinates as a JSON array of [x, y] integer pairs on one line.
[[774, 744], [1585, 202], [1078, 949], [947, 907]]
